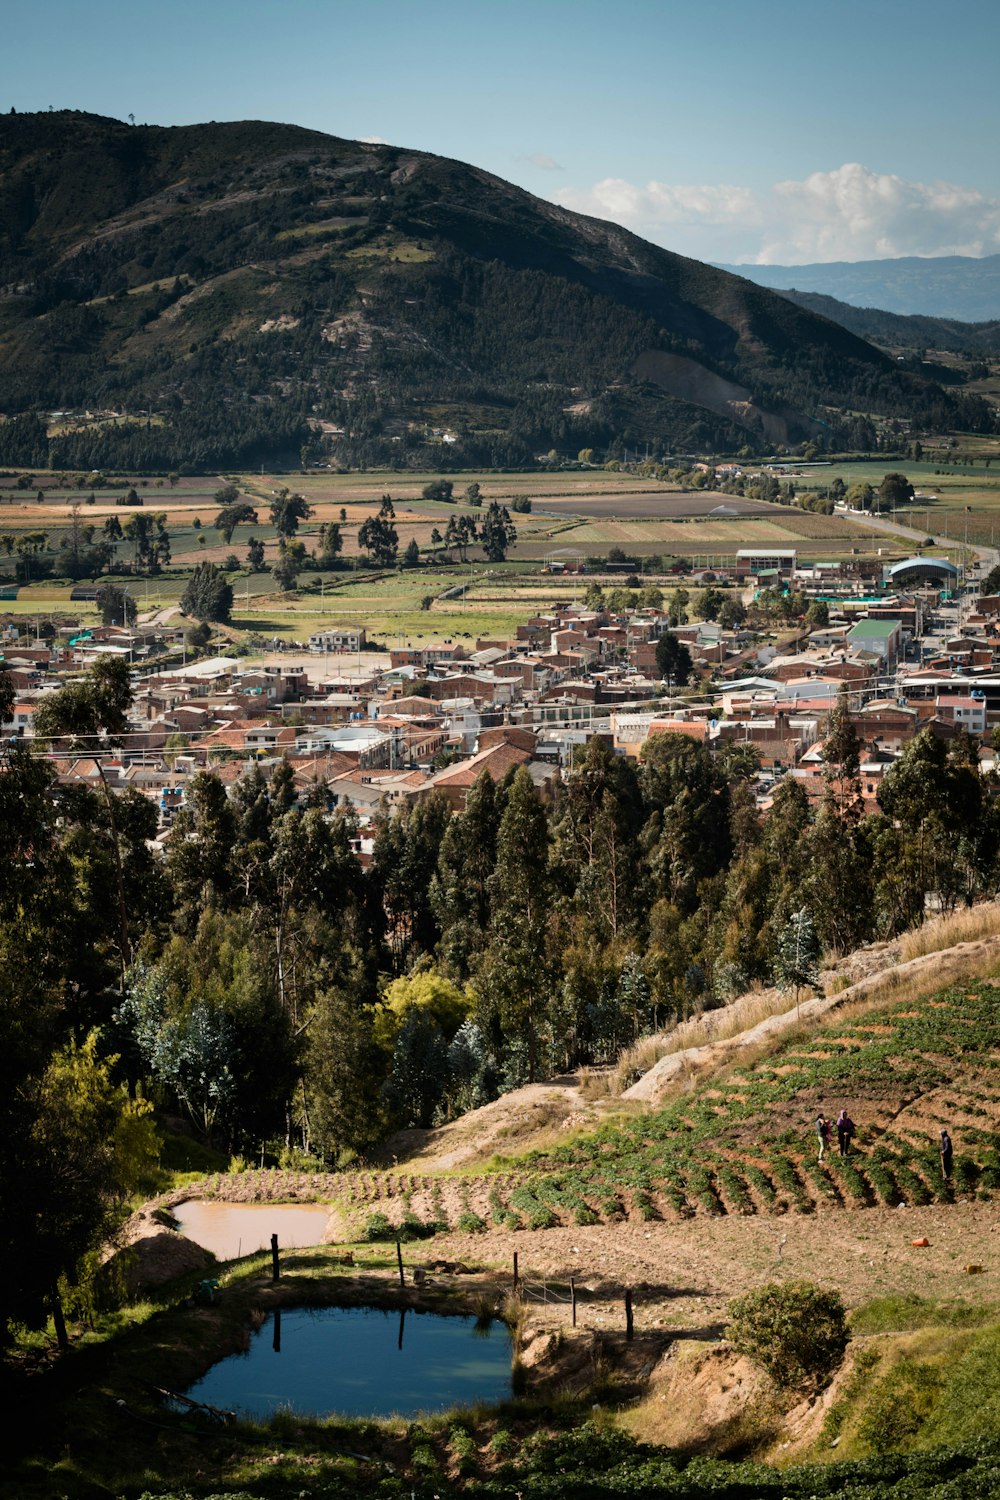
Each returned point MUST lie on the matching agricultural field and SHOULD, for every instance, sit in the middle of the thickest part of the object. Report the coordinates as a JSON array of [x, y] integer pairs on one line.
[[574, 515], [963, 498], [743, 1143]]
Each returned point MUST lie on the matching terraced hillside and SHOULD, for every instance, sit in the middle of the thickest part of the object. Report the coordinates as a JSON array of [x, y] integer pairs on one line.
[[742, 1143]]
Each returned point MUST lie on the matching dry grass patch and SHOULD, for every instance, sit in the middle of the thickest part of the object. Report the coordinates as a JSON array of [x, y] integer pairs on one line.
[[965, 926]]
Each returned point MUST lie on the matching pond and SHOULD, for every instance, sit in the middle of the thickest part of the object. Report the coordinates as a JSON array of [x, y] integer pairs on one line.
[[230, 1230], [361, 1362]]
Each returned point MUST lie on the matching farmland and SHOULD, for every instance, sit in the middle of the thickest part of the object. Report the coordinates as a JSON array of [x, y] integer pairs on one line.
[[574, 515]]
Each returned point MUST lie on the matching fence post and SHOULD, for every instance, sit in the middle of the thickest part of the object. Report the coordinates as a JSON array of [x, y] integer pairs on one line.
[[399, 1262], [572, 1298], [629, 1328], [517, 1279], [275, 1267]]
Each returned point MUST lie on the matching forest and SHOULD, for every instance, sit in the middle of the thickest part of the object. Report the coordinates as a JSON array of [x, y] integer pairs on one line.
[[296, 1005]]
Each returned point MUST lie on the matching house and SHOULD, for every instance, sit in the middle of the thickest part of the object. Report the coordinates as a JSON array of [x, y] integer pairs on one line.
[[456, 781], [966, 710], [341, 638], [757, 560]]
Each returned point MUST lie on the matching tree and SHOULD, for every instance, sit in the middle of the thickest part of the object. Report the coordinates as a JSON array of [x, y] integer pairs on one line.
[[797, 1333], [331, 546], [92, 715], [411, 557], [818, 614], [679, 601], [796, 963], [439, 489], [88, 1149], [513, 976], [708, 603], [255, 554], [842, 751], [236, 513], [150, 541], [894, 490], [497, 532], [460, 532], [287, 511], [208, 594], [474, 493], [116, 605], [378, 535], [288, 564], [673, 660]]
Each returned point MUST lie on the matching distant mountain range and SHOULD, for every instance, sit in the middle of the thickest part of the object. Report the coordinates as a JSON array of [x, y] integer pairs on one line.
[[947, 286], [904, 332], [225, 294]]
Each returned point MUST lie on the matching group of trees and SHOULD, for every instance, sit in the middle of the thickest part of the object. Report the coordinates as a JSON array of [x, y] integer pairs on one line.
[[261, 980]]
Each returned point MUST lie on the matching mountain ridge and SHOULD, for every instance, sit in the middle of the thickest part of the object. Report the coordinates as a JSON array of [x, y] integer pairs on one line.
[[963, 288], [254, 290]]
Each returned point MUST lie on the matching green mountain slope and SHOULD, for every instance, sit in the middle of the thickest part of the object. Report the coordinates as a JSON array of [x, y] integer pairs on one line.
[[247, 289]]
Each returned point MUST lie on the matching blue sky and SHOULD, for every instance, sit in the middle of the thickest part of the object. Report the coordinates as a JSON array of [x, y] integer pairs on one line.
[[780, 130]]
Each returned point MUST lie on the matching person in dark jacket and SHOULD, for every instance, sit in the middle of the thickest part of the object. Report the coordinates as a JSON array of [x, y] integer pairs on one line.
[[845, 1132], [947, 1152], [823, 1131]]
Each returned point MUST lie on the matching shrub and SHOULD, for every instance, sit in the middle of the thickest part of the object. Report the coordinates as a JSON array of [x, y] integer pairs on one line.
[[377, 1227], [470, 1223], [796, 1332]]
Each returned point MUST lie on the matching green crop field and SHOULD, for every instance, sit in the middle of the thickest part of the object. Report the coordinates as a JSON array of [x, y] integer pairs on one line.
[[648, 520], [744, 1142]]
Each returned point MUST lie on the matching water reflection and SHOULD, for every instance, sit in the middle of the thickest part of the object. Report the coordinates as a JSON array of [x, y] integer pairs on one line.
[[356, 1361]]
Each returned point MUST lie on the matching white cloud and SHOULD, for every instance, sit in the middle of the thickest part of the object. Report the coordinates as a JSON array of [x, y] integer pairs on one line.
[[851, 213], [541, 160]]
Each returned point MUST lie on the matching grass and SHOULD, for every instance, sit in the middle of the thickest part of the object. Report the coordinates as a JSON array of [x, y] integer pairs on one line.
[[965, 926]]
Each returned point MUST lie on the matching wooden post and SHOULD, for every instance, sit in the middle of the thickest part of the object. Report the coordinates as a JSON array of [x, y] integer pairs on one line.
[[58, 1321], [629, 1329], [572, 1298], [399, 1262], [275, 1267], [517, 1279]]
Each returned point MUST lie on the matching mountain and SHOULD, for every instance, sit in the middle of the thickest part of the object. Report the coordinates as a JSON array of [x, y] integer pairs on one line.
[[904, 332], [958, 287], [228, 293]]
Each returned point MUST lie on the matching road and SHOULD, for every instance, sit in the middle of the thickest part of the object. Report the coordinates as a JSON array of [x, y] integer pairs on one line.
[[988, 556]]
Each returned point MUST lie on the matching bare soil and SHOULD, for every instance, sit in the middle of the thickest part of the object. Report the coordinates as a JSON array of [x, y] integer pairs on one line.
[[683, 1275]]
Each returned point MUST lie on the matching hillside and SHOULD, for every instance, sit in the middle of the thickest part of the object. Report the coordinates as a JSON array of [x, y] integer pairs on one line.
[[958, 287], [726, 1128], [249, 290], [898, 331]]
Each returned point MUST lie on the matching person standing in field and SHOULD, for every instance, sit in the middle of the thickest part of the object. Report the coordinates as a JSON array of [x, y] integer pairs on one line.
[[845, 1131], [947, 1152], [823, 1131]]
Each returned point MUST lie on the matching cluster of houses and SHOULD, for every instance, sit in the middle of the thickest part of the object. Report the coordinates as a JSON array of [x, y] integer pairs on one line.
[[380, 729]]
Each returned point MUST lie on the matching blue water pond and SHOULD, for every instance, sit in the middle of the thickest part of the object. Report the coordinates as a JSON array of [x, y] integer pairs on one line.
[[361, 1362]]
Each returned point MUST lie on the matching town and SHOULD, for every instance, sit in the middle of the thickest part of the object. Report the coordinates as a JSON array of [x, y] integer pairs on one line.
[[912, 645]]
